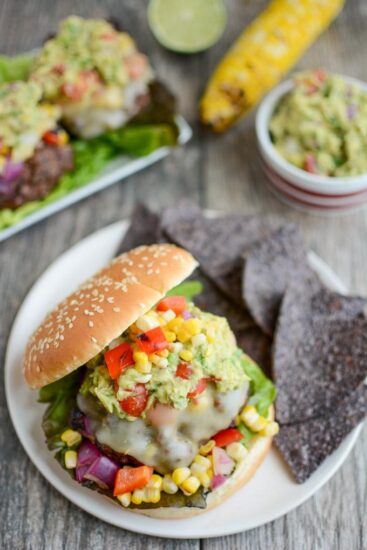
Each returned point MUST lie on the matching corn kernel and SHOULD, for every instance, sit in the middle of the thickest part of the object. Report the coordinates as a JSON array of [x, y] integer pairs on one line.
[[71, 437], [190, 485], [163, 353], [145, 323], [168, 315], [186, 354], [169, 335], [252, 419], [70, 459], [271, 429], [140, 357], [152, 495], [124, 499], [175, 324], [207, 448], [176, 347], [203, 461], [160, 362], [168, 485], [198, 340], [204, 479], [210, 334], [138, 496], [193, 326], [236, 451], [144, 369], [183, 335], [155, 482], [197, 469], [180, 474], [210, 473]]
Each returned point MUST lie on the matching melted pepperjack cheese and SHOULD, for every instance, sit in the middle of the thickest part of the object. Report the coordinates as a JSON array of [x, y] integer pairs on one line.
[[168, 438]]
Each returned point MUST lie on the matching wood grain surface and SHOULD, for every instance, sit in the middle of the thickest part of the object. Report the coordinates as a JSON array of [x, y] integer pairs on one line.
[[217, 172]]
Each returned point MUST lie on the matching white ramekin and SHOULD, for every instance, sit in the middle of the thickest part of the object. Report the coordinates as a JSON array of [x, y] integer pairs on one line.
[[296, 185]]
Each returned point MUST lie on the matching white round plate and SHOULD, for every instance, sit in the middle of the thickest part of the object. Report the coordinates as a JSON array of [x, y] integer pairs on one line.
[[270, 494]]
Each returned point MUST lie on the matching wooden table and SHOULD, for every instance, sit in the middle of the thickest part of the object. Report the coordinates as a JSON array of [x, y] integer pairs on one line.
[[217, 172]]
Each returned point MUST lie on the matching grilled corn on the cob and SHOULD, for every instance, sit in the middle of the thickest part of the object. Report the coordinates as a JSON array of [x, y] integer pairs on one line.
[[259, 58]]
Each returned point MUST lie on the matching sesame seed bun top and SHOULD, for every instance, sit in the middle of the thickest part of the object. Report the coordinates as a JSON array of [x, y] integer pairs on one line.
[[101, 309]]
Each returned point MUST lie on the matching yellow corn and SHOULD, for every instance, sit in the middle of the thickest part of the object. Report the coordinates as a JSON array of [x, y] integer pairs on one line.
[[70, 459], [183, 335], [138, 496], [193, 326], [124, 499], [186, 355], [204, 479], [175, 324], [197, 469], [272, 428], [163, 353], [168, 485], [190, 485], [140, 358], [236, 451], [180, 474], [71, 438], [263, 53], [169, 335], [203, 461], [207, 448], [152, 495], [155, 482]]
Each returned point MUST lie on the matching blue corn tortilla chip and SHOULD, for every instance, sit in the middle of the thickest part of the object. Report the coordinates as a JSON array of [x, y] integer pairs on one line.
[[319, 351], [270, 265], [143, 230], [306, 445]]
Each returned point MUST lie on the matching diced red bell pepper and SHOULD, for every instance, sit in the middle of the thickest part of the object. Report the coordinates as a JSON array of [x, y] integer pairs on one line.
[[118, 359], [200, 387], [225, 437], [128, 479], [310, 164], [178, 304], [184, 371], [51, 138], [135, 404], [151, 341]]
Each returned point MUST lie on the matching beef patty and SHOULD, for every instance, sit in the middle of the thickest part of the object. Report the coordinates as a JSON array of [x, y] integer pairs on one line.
[[40, 174]]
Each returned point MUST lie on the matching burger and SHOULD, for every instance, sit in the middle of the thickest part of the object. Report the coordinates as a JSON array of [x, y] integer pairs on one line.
[[94, 73], [150, 401], [34, 150]]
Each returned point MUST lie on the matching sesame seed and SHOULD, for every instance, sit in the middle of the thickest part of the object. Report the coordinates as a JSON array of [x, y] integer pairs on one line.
[[91, 324], [116, 309]]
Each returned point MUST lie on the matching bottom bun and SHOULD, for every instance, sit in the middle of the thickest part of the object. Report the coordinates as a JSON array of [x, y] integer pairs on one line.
[[242, 474]]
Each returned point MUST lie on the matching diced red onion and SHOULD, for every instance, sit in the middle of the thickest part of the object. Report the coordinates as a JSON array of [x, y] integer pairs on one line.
[[217, 481], [80, 472], [186, 315], [222, 463], [103, 472], [88, 426], [87, 453], [12, 171], [5, 187]]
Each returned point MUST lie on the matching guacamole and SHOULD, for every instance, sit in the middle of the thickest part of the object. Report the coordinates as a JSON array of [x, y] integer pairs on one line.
[[23, 120], [200, 350], [321, 125], [85, 56]]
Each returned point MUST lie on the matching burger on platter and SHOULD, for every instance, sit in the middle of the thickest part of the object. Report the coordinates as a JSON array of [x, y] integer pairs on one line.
[[151, 402]]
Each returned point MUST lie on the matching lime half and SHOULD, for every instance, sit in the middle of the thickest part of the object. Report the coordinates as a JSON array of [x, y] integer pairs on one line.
[[187, 26]]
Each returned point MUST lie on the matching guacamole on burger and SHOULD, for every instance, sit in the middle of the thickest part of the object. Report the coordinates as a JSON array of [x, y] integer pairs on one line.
[[151, 400]]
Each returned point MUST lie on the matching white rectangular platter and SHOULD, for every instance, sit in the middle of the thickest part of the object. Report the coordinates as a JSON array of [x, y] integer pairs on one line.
[[116, 170]]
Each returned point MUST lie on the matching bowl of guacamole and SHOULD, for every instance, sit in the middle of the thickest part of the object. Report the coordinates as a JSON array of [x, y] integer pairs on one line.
[[312, 136]]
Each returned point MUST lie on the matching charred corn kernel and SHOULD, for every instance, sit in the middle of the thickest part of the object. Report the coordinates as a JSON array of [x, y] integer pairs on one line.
[[140, 358], [71, 438], [175, 324], [236, 451], [144, 369], [252, 419], [124, 499], [183, 335], [70, 459], [197, 470], [146, 322], [272, 428], [193, 326], [152, 495], [169, 335], [180, 474], [203, 461], [190, 485], [262, 54], [198, 340], [155, 482], [168, 485], [163, 353], [168, 315], [186, 355], [207, 448], [205, 479], [138, 496]]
